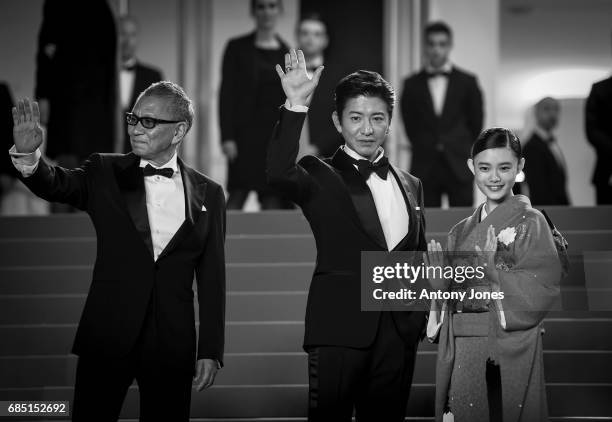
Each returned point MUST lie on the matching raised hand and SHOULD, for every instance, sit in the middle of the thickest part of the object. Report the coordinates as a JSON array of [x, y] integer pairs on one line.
[[296, 82], [27, 133], [434, 257]]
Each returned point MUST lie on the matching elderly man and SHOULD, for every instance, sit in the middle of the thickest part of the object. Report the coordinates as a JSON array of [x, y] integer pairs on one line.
[[159, 224]]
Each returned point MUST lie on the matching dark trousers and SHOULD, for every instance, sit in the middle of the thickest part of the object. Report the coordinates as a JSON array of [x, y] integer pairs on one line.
[[442, 180], [374, 381], [604, 194], [102, 383]]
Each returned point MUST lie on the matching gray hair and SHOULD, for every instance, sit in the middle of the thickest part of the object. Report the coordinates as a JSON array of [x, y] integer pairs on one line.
[[180, 104]]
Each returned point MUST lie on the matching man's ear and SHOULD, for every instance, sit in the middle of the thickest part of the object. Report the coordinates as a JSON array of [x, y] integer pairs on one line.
[[521, 164], [336, 121], [470, 164], [179, 132]]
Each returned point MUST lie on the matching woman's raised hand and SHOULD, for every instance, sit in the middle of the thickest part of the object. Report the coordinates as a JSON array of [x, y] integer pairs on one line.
[[434, 257]]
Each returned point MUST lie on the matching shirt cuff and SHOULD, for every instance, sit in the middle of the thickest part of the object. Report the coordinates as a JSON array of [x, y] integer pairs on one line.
[[298, 108], [25, 163]]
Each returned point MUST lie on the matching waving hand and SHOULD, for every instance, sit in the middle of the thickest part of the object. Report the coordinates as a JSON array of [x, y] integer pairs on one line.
[[296, 82]]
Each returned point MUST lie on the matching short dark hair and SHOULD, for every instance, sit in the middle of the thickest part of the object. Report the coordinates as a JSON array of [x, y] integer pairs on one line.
[[180, 104], [438, 27], [254, 4], [366, 83], [312, 16], [497, 137]]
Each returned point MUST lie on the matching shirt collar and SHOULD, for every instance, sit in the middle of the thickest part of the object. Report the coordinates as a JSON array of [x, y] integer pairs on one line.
[[356, 156], [129, 63], [172, 163], [446, 68], [483, 212]]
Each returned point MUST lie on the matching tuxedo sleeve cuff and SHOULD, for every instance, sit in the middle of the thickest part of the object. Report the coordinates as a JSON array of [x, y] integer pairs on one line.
[[295, 108], [25, 163]]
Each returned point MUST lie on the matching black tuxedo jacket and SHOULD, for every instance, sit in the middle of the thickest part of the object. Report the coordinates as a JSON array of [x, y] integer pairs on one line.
[[544, 175], [453, 131], [339, 206], [6, 130], [143, 77], [599, 129], [126, 279]]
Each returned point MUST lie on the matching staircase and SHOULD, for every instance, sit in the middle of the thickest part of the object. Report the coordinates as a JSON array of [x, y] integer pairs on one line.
[[45, 269]]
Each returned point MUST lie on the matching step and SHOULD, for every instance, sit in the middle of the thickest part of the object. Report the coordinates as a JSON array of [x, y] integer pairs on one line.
[[75, 279], [241, 306], [241, 337], [239, 248], [287, 337], [275, 222], [65, 309], [291, 368], [290, 401]]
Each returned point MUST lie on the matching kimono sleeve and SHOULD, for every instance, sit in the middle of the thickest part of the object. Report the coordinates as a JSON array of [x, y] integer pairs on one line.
[[531, 282]]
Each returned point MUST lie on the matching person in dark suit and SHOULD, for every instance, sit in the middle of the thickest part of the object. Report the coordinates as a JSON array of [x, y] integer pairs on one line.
[[354, 201], [76, 70], [599, 134], [7, 172], [248, 99], [545, 168], [442, 110], [134, 76], [319, 136], [159, 225]]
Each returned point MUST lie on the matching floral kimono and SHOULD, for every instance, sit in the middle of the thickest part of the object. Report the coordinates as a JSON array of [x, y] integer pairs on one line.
[[497, 341]]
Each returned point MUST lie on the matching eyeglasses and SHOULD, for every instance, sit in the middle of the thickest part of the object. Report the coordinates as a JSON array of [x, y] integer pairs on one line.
[[146, 122]]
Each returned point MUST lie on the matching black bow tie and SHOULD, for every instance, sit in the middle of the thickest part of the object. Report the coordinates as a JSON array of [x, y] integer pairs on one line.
[[149, 170], [129, 67], [437, 73], [366, 167]]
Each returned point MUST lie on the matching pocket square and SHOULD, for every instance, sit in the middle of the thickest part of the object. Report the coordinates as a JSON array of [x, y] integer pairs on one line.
[[417, 208], [203, 208]]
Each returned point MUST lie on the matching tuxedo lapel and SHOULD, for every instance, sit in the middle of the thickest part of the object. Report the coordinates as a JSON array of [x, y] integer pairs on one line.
[[131, 185], [360, 201], [411, 206], [194, 191]]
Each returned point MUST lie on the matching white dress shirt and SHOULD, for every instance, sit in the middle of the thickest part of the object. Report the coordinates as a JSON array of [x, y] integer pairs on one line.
[[389, 201], [165, 204], [165, 197], [438, 86]]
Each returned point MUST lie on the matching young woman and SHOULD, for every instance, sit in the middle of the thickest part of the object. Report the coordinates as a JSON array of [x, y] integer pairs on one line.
[[490, 363]]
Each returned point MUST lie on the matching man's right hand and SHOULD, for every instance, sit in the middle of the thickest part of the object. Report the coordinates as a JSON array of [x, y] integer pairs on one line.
[[27, 133], [298, 86], [230, 149]]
